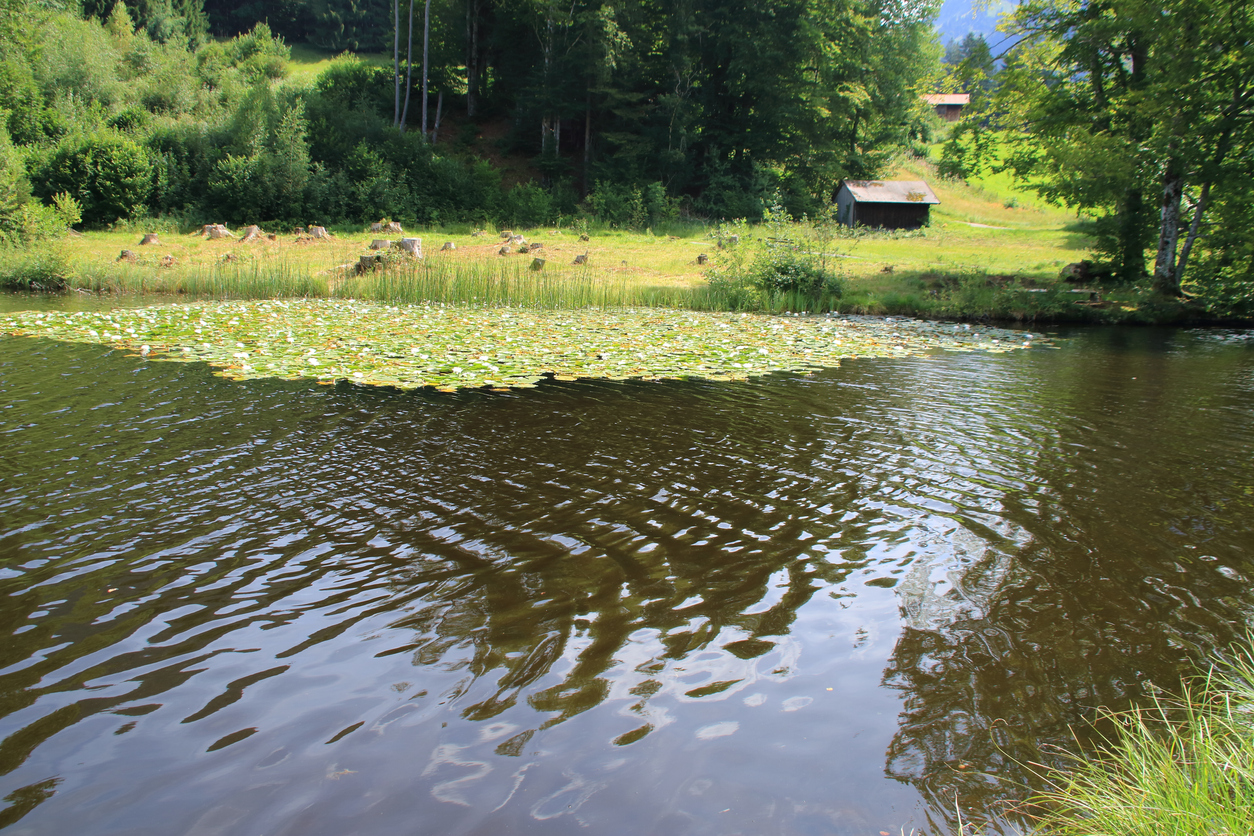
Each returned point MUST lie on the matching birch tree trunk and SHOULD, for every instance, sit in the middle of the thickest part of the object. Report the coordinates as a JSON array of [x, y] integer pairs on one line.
[[426, 44], [1194, 228], [472, 56], [409, 67], [396, 62], [1165, 279]]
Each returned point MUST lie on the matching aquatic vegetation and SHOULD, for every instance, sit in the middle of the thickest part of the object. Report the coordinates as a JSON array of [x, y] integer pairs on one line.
[[452, 348]]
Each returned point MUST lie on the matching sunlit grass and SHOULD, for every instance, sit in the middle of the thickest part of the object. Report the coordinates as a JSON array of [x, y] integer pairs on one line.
[[1182, 767]]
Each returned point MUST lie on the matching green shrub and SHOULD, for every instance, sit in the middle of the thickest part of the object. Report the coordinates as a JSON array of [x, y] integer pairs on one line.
[[109, 174], [526, 205]]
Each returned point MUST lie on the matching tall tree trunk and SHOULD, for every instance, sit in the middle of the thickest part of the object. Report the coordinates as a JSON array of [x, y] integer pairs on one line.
[[396, 62], [426, 44], [1165, 279], [409, 67], [1194, 228], [472, 56], [587, 142], [439, 108]]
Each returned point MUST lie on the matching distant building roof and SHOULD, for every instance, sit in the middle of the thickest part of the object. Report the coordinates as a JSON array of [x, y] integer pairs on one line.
[[890, 191], [947, 99]]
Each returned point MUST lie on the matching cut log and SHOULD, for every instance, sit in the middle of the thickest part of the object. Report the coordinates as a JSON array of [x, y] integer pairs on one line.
[[380, 244], [149, 238], [537, 264], [448, 245], [411, 246]]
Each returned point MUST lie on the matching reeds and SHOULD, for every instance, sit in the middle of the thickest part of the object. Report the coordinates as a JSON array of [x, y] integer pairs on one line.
[[1183, 767]]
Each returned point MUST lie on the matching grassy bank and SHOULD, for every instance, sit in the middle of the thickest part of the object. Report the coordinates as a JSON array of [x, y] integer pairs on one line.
[[1183, 767]]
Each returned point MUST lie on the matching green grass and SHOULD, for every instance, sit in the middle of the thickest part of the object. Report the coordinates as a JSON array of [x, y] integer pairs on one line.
[[308, 62], [1178, 768]]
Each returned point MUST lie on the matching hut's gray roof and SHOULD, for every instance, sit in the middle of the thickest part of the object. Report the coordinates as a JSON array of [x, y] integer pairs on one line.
[[890, 191]]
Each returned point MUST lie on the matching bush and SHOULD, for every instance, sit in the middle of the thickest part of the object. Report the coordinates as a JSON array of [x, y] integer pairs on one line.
[[108, 174], [526, 205]]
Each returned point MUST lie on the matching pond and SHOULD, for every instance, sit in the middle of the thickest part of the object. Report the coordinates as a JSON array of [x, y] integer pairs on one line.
[[838, 603]]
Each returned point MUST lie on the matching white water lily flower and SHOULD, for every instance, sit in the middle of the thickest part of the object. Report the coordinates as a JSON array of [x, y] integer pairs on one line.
[[240, 356], [358, 374], [313, 361]]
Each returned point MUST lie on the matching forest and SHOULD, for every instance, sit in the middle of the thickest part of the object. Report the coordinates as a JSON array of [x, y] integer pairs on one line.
[[1135, 115]]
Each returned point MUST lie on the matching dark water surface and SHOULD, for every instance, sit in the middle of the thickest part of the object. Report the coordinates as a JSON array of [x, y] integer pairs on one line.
[[820, 605]]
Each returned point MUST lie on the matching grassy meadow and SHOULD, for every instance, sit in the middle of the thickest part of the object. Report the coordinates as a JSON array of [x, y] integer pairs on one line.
[[989, 253]]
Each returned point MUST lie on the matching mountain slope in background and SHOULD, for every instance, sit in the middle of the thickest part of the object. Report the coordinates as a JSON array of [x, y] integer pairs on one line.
[[958, 18]]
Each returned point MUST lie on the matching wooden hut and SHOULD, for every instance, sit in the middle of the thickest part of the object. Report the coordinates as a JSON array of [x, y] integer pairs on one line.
[[948, 105], [891, 204]]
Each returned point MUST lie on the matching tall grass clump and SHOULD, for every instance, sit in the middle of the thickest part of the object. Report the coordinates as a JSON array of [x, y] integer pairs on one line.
[[491, 284], [227, 280], [1181, 768]]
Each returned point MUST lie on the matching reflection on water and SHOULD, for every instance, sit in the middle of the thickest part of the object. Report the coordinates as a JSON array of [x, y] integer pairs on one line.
[[800, 605]]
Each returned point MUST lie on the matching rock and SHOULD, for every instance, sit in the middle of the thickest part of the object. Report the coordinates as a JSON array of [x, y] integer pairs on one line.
[[503, 250], [251, 233], [703, 259], [581, 259], [411, 246], [319, 232], [448, 245], [149, 238], [127, 255], [213, 231], [380, 244], [537, 264]]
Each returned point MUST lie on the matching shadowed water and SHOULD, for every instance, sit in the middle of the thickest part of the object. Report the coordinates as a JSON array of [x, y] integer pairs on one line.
[[801, 605]]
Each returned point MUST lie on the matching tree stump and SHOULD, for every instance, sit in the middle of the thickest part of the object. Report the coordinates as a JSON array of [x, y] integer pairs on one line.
[[448, 245], [518, 239], [537, 264], [411, 246], [583, 237], [127, 255], [703, 259], [393, 226], [380, 244], [478, 233], [503, 250], [535, 247], [319, 232], [214, 231], [581, 259], [251, 233], [368, 262], [168, 261], [507, 234], [149, 238], [377, 227]]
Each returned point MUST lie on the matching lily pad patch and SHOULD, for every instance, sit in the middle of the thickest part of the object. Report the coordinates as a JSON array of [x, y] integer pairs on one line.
[[497, 348]]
